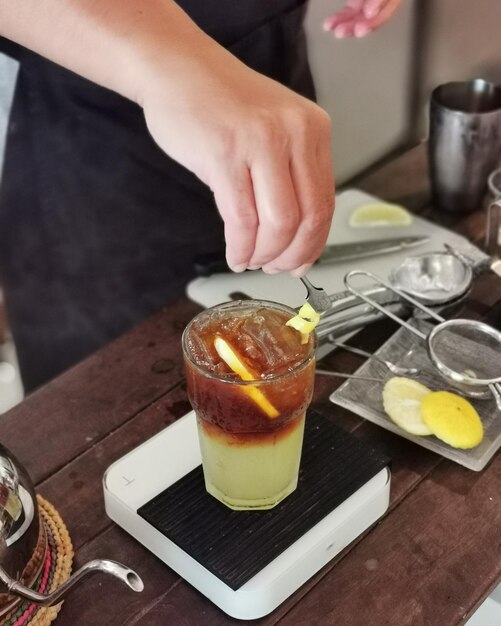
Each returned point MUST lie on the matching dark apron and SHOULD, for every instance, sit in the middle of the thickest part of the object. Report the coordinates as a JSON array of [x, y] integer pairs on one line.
[[98, 227]]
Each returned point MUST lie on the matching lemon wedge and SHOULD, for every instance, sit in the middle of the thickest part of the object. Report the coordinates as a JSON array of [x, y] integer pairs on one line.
[[452, 419], [305, 321], [234, 361], [380, 214], [402, 401]]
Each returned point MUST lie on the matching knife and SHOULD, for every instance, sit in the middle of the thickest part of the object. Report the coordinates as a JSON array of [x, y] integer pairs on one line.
[[214, 263]]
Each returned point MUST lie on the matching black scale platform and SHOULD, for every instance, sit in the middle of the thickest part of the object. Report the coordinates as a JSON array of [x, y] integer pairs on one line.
[[236, 545]]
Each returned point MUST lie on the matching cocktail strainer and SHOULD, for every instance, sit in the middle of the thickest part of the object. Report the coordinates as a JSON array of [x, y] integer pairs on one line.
[[463, 351]]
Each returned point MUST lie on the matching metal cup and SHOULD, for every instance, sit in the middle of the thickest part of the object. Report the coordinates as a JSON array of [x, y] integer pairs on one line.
[[464, 143]]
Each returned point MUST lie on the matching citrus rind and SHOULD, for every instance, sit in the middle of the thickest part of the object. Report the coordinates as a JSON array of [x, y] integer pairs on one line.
[[402, 399], [452, 419], [305, 321], [380, 214], [233, 360]]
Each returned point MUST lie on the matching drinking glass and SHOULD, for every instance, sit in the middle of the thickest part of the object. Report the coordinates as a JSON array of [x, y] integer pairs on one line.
[[250, 431]]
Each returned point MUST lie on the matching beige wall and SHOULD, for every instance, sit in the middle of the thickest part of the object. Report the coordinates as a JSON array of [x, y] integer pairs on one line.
[[364, 84], [461, 40]]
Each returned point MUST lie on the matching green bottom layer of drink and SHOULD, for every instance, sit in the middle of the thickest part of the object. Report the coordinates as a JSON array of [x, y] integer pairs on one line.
[[254, 473]]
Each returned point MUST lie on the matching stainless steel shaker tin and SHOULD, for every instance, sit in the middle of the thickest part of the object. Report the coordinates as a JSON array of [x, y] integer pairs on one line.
[[464, 142]]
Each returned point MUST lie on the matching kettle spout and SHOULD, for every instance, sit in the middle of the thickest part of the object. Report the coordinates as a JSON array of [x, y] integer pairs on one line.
[[123, 573]]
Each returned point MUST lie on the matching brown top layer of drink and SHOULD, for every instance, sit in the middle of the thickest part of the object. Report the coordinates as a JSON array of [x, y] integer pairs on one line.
[[284, 369], [259, 335]]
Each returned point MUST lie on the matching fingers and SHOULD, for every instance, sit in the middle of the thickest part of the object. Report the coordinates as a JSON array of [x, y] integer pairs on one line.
[[361, 17], [341, 20], [386, 10], [277, 211], [313, 181], [277, 207], [234, 195], [277, 214]]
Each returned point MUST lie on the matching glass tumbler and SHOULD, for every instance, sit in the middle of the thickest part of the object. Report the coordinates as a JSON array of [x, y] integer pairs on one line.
[[250, 431]]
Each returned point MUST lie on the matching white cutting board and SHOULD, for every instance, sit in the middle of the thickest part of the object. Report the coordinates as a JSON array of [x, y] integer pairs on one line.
[[211, 290]]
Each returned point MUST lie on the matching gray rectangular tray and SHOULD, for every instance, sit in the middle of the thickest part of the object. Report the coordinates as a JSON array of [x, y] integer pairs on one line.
[[365, 399]]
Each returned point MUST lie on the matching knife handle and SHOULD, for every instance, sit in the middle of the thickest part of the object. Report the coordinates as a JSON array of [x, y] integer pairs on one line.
[[210, 263]]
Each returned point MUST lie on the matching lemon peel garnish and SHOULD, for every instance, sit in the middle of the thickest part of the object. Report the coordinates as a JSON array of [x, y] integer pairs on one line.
[[233, 360], [305, 321]]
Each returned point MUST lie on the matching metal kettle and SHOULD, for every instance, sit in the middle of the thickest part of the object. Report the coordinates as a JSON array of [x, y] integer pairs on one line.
[[23, 544]]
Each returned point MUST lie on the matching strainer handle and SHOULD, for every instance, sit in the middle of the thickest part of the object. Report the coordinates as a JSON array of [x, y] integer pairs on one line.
[[381, 308], [496, 392]]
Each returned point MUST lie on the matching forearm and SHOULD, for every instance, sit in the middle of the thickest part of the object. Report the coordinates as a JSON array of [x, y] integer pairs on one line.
[[111, 42], [262, 149]]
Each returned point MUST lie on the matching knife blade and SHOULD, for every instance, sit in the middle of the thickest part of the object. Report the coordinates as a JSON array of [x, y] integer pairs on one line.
[[214, 263], [355, 250]]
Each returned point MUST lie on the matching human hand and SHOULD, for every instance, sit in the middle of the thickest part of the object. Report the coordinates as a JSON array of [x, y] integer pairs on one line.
[[262, 149], [360, 17]]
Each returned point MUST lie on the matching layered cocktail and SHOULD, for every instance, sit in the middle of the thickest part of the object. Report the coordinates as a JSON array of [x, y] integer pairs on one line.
[[250, 380]]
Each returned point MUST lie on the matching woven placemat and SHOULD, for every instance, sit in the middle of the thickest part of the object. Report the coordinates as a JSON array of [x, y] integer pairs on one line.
[[56, 569]]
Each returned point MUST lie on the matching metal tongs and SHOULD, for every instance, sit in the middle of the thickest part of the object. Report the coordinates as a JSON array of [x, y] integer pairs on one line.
[[346, 312], [330, 305]]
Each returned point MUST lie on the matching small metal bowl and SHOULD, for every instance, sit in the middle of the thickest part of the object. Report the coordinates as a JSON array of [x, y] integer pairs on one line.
[[434, 278]]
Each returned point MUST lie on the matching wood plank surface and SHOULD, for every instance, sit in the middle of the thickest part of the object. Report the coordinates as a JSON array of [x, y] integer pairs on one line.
[[83, 405], [431, 560], [76, 489], [411, 465], [425, 564]]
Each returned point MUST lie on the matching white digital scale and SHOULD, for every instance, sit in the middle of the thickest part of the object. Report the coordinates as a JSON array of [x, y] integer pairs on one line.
[[160, 462]]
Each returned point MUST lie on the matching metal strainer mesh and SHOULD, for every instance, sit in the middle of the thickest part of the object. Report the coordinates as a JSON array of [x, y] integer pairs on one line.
[[467, 351]]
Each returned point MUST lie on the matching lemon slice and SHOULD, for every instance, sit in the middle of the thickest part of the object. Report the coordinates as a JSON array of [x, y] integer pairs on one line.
[[380, 214], [305, 321], [402, 400], [232, 359], [452, 419]]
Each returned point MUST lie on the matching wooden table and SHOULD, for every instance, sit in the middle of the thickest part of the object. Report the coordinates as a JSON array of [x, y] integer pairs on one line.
[[432, 559]]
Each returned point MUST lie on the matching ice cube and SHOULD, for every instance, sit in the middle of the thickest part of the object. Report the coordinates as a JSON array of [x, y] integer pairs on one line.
[[269, 342], [201, 353]]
